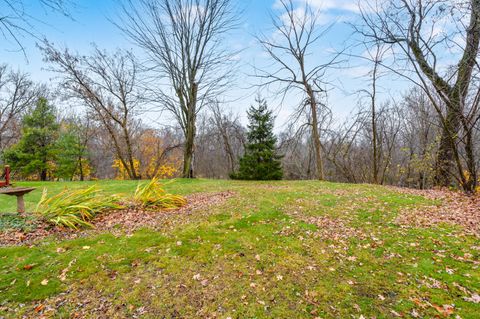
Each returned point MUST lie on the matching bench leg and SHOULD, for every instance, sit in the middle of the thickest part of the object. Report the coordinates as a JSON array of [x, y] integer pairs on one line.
[[20, 204]]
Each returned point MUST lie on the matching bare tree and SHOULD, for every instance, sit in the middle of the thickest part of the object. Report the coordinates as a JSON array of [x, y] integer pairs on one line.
[[410, 28], [17, 93], [17, 20], [296, 147], [342, 152], [297, 31], [349, 147], [226, 126], [219, 133], [420, 129], [107, 85], [187, 54], [375, 56]]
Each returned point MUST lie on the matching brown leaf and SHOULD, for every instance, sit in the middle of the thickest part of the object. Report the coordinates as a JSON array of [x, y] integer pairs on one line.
[[445, 310], [39, 308], [27, 267]]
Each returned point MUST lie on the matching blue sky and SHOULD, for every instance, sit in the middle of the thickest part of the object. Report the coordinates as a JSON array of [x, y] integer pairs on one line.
[[91, 24]]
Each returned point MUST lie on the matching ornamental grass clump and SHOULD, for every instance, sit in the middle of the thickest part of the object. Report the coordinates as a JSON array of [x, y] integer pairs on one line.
[[152, 195], [75, 208]]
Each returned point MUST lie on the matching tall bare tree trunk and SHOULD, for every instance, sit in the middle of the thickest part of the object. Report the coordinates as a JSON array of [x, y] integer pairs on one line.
[[445, 157], [316, 137], [374, 118], [130, 156], [80, 163], [190, 132], [297, 35], [184, 40]]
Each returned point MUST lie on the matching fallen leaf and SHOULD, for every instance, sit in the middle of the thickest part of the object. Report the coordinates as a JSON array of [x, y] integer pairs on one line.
[[39, 308], [63, 274], [445, 310], [449, 271], [44, 282], [475, 298]]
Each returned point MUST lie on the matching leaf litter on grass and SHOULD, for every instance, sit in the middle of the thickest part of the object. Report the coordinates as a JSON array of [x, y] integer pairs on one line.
[[350, 261], [454, 208], [119, 221]]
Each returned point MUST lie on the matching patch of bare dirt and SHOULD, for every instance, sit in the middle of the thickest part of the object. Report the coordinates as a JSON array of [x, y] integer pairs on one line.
[[121, 221], [456, 208]]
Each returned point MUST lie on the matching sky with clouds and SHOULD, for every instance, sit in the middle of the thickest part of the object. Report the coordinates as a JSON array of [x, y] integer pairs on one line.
[[91, 23]]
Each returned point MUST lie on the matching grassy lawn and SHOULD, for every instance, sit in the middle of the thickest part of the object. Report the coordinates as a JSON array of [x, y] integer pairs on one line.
[[274, 250], [8, 204]]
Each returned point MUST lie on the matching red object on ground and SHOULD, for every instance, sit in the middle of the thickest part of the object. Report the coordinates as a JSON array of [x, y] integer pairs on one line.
[[7, 177]]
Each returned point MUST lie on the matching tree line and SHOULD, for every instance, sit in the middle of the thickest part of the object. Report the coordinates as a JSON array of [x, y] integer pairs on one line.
[[426, 137]]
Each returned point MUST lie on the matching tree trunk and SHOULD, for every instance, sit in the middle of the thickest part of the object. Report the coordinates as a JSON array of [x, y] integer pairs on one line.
[[80, 162], [374, 121], [131, 161], [43, 175], [472, 179], [44, 172], [229, 151], [445, 156], [189, 149], [316, 139]]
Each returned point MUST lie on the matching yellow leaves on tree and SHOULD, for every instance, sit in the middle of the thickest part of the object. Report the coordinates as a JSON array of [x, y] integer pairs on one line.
[[121, 171], [154, 158]]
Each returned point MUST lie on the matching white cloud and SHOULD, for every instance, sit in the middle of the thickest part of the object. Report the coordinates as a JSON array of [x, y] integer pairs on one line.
[[326, 5], [344, 5]]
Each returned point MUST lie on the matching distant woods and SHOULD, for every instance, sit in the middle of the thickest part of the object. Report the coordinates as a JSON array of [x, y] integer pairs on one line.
[[426, 136]]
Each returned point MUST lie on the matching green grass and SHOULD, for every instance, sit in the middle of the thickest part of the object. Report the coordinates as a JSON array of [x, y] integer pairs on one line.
[[8, 204], [257, 255]]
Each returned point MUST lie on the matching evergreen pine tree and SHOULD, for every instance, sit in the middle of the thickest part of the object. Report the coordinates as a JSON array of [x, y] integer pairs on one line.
[[260, 162], [36, 150]]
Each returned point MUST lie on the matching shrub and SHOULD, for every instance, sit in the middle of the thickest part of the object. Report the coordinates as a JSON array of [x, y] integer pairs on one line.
[[74, 208], [152, 195]]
